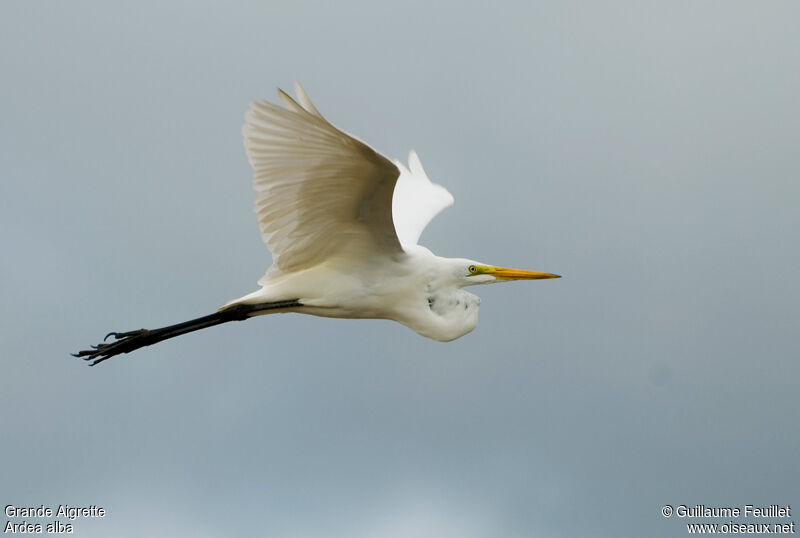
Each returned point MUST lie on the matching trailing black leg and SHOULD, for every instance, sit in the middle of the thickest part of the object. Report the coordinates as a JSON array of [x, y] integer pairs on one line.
[[125, 342]]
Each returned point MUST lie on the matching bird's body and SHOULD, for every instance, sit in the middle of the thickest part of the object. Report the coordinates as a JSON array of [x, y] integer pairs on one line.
[[342, 223], [395, 291]]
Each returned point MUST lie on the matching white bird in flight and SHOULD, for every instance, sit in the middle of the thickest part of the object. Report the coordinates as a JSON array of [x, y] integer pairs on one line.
[[342, 223]]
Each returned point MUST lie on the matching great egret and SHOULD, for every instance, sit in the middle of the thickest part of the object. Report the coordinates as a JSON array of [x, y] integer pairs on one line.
[[342, 223]]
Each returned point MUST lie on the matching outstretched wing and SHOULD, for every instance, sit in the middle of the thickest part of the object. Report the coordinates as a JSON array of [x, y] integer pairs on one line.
[[320, 193], [416, 201]]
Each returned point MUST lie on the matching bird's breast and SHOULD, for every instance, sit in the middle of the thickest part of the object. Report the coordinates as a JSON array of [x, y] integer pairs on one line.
[[445, 314]]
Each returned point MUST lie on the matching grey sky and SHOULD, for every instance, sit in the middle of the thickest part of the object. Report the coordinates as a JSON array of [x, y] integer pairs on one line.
[[646, 151]]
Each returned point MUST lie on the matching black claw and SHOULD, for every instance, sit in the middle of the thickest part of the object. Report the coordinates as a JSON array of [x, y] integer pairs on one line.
[[124, 342], [137, 332]]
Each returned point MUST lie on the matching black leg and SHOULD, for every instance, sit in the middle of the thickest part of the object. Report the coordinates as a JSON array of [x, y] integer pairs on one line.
[[125, 342]]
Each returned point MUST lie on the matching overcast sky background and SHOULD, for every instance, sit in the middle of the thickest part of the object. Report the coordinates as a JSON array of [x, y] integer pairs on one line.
[[646, 151]]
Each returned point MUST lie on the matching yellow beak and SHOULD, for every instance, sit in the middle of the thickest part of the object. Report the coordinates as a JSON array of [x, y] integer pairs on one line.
[[504, 273]]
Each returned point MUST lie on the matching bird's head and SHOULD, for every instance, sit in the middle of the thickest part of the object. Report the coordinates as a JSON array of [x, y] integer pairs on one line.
[[470, 272]]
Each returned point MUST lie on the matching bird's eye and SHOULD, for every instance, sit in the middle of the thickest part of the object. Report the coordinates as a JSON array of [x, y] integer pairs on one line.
[[471, 269]]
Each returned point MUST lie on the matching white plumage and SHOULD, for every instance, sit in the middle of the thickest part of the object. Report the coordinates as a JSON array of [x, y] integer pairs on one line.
[[416, 201], [319, 192], [342, 223]]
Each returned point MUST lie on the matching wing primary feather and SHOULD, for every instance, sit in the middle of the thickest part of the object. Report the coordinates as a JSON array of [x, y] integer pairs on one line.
[[415, 165], [289, 102], [320, 193], [305, 100], [416, 200]]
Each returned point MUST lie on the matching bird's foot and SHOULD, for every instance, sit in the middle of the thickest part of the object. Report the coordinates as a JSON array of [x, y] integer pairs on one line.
[[120, 336], [123, 343]]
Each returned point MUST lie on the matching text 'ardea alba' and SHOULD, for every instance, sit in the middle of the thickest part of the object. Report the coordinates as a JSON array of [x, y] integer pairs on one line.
[[342, 223]]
